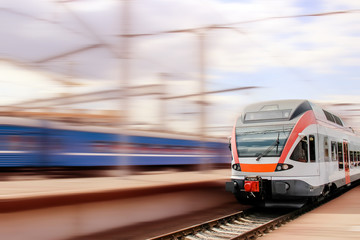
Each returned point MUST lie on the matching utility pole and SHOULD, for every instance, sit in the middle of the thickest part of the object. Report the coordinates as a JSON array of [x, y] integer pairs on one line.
[[125, 62], [202, 100], [162, 101], [123, 159], [202, 83]]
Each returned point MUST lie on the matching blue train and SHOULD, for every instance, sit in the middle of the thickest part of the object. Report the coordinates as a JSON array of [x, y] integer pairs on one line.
[[39, 143]]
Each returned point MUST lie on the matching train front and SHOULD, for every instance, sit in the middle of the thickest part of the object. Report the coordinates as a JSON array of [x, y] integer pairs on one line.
[[262, 145]]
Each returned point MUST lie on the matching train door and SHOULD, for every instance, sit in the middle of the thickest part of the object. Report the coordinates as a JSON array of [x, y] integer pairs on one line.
[[346, 162]]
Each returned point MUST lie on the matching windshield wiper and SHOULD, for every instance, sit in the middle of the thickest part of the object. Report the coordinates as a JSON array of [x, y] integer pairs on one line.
[[267, 151]]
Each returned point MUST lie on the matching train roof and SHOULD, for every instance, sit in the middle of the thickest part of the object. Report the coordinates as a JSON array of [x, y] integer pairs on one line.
[[28, 122], [286, 110], [274, 105]]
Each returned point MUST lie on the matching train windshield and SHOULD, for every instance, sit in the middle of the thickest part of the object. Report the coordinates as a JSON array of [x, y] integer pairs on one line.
[[264, 141]]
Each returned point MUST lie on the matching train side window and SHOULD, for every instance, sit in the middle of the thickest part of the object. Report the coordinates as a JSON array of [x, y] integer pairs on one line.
[[340, 156], [300, 152], [15, 142], [312, 148], [354, 158], [346, 155], [334, 151], [326, 149], [351, 158], [2, 142]]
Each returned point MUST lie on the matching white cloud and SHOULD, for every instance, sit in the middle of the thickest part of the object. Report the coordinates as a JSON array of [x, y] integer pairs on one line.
[[22, 84]]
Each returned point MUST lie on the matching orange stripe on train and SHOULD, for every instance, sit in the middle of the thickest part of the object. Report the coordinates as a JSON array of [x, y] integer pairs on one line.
[[246, 167], [306, 120], [233, 145]]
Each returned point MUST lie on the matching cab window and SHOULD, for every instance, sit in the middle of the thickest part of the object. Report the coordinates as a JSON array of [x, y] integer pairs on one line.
[[300, 152]]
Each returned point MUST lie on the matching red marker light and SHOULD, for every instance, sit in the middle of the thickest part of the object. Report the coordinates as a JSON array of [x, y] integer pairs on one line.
[[251, 186], [247, 186]]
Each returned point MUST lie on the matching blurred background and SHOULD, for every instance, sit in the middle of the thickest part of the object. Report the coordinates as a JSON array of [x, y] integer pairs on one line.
[[165, 75]]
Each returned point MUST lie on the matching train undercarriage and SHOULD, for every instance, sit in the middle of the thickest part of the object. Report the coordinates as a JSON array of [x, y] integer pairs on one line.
[[259, 191]]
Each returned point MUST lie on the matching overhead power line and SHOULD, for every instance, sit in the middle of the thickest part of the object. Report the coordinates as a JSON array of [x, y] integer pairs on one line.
[[49, 21], [296, 16], [151, 89], [65, 54], [228, 25]]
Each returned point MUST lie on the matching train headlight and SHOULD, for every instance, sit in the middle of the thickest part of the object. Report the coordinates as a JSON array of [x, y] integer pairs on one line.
[[283, 166], [236, 167]]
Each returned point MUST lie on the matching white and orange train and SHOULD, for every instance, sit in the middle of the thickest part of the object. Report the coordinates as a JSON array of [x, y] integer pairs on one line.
[[291, 150]]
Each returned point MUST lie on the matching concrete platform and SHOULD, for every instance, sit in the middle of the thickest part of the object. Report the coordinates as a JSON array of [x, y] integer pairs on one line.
[[31, 194], [337, 219], [59, 209]]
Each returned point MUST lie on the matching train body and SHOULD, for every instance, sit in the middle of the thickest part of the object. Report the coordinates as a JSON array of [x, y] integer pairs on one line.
[[38, 143], [291, 150]]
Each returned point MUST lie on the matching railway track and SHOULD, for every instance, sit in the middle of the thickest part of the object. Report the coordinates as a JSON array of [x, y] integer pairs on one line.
[[248, 224]]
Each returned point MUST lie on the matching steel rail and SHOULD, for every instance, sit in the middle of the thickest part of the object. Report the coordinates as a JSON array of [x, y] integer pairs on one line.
[[242, 222]]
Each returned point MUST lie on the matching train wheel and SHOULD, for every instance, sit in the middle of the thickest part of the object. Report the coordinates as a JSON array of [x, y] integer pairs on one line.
[[326, 191], [333, 188]]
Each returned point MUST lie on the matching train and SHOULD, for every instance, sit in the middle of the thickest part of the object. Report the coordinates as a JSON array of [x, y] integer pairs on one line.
[[32, 143], [291, 151]]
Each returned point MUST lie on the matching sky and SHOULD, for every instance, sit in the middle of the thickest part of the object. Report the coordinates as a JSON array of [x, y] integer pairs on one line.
[[268, 44]]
